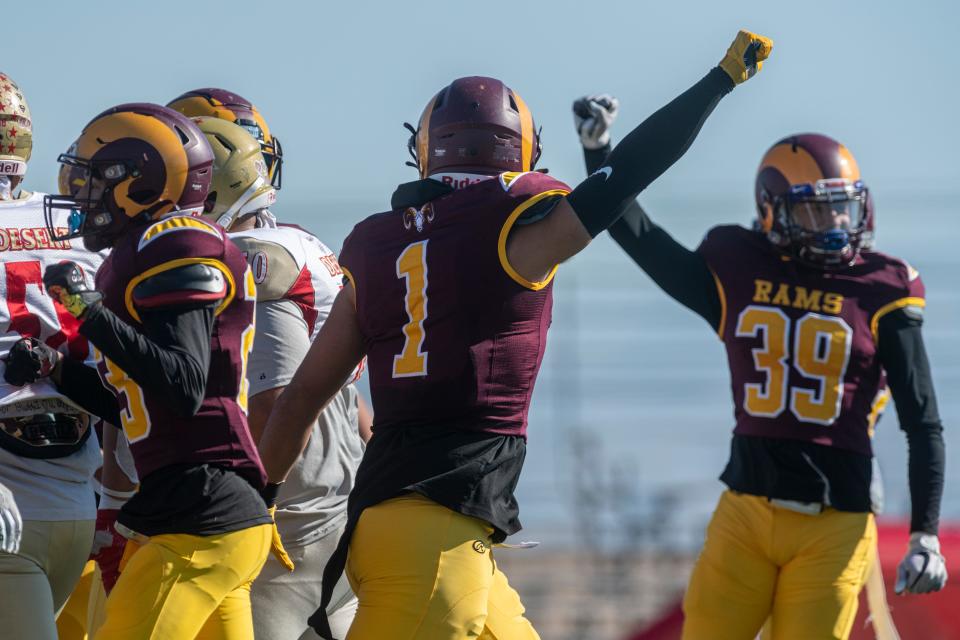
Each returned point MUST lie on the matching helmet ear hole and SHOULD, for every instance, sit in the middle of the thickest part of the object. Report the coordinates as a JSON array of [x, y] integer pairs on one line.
[[766, 220], [513, 103]]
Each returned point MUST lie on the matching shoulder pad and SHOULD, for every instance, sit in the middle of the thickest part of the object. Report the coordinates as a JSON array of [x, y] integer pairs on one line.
[[178, 225], [186, 284], [274, 267], [530, 183]]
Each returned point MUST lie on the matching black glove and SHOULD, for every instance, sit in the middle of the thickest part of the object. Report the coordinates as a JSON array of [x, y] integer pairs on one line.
[[65, 284], [269, 494], [28, 361]]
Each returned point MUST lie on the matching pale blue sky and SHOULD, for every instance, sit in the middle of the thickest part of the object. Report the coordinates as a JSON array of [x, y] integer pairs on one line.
[[336, 80]]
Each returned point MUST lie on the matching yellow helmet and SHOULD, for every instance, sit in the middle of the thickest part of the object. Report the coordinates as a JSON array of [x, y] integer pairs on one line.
[[240, 181], [16, 130]]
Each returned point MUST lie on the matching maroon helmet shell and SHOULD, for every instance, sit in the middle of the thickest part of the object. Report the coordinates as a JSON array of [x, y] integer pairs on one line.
[[475, 125], [149, 161], [815, 169]]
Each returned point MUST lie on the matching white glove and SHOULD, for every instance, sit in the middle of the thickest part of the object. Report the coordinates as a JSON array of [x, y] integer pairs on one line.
[[593, 115], [923, 569], [11, 525]]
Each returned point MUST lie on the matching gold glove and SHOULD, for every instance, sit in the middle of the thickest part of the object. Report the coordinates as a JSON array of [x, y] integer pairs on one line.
[[276, 544], [746, 55]]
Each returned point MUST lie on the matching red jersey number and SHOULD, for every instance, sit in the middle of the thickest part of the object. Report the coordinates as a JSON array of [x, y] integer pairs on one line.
[[28, 272]]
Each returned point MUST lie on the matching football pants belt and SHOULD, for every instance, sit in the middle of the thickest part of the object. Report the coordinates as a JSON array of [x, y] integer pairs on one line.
[[44, 435]]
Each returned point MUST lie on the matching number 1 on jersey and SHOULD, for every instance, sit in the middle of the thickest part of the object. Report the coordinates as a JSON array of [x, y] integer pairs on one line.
[[412, 267]]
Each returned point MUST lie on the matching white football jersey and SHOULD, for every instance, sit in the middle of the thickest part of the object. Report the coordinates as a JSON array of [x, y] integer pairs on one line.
[[290, 263], [26, 250], [45, 489]]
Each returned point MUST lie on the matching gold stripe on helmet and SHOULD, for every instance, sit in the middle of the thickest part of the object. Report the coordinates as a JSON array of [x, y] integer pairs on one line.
[[798, 167], [196, 106], [526, 133], [423, 137], [102, 131], [848, 164]]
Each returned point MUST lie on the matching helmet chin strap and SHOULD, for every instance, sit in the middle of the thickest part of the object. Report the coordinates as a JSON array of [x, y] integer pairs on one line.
[[244, 202]]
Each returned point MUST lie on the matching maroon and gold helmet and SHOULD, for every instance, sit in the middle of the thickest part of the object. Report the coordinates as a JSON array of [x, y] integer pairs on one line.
[[220, 103], [132, 164], [811, 201], [475, 125]]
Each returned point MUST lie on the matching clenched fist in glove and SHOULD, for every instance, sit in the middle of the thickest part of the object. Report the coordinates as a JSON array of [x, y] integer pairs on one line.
[[28, 361], [593, 115], [65, 284], [923, 569], [746, 55]]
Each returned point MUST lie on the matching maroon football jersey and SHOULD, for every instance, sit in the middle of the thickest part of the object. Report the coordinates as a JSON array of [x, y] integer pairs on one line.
[[802, 342], [454, 336], [218, 433]]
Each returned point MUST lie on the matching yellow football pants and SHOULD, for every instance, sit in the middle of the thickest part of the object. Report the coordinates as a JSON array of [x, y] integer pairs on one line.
[[84, 611], [424, 572], [179, 586], [804, 571]]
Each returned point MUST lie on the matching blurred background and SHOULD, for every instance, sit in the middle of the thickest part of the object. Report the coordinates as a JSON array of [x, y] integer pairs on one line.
[[632, 414]]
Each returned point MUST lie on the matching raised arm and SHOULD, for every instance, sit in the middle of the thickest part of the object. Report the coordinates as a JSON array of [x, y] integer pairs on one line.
[[683, 274], [641, 157]]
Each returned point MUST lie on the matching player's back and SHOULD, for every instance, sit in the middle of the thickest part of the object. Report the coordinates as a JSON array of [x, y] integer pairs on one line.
[[454, 336], [217, 433]]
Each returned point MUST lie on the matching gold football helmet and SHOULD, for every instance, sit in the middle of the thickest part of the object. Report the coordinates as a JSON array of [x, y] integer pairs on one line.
[[240, 183], [16, 130]]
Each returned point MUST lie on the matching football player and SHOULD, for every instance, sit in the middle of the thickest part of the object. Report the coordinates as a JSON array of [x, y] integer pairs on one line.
[[47, 453], [171, 320], [812, 319], [297, 279], [449, 296]]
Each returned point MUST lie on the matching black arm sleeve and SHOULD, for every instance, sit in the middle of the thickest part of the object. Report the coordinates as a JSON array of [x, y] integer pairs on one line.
[[82, 384], [683, 274], [647, 152], [904, 358], [171, 356]]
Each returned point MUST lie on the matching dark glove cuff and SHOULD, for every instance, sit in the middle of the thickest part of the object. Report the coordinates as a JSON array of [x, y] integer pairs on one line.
[[270, 492]]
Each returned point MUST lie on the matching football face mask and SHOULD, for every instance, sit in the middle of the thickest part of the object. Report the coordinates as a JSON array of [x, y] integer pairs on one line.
[[825, 221]]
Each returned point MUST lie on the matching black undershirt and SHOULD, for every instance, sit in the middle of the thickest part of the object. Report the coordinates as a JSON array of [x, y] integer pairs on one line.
[[789, 469], [170, 357]]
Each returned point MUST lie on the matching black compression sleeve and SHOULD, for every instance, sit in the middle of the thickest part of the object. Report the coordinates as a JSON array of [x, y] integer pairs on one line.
[[904, 358], [171, 356], [647, 152], [82, 384], [681, 273]]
